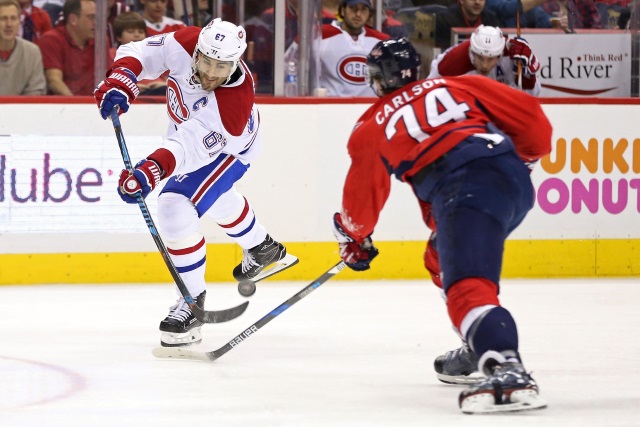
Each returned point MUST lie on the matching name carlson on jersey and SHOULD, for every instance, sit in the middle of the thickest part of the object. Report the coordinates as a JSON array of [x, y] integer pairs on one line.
[[405, 97], [352, 69]]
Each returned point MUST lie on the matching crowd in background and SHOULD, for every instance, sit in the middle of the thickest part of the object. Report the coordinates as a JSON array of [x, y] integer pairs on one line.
[[47, 46]]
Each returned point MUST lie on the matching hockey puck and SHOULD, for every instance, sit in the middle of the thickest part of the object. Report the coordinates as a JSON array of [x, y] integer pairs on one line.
[[246, 288]]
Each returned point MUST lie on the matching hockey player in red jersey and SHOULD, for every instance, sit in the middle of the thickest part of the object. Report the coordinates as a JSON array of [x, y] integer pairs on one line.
[[488, 53], [463, 144], [213, 135]]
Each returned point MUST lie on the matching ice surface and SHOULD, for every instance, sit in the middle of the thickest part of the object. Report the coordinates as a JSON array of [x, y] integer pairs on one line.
[[349, 354]]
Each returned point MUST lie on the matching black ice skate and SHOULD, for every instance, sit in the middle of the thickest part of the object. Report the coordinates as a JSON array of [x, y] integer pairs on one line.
[[180, 327], [457, 366], [256, 259], [507, 388]]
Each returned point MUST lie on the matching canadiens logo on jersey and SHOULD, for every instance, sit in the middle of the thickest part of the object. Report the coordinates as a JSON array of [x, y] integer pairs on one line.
[[177, 108], [352, 69]]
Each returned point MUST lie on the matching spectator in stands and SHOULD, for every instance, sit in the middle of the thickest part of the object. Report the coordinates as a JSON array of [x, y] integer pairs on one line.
[[127, 27], [35, 21], [487, 52], [291, 18], [343, 50], [114, 8], [291, 21], [581, 13], [52, 7], [21, 70], [131, 27], [531, 14], [68, 50], [155, 15], [391, 26], [259, 53], [615, 14], [465, 13]]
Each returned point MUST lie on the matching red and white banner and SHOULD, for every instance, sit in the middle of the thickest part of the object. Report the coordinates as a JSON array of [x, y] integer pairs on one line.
[[578, 65]]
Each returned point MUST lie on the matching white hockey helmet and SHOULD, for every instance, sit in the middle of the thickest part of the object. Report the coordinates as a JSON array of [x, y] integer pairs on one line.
[[487, 41], [222, 41]]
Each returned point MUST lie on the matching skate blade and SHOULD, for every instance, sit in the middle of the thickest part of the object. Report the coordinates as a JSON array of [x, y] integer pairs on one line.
[[179, 353], [484, 403], [172, 339], [460, 379], [286, 262]]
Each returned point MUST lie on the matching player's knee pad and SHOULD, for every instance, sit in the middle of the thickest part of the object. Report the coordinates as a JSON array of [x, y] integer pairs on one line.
[[468, 294], [177, 217], [194, 241]]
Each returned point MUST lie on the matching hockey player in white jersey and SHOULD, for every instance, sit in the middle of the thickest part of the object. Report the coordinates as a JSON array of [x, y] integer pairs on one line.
[[343, 50], [487, 52], [213, 135]]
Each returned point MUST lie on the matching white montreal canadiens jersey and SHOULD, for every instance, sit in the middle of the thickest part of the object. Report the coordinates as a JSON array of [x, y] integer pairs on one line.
[[202, 124], [166, 25], [343, 60]]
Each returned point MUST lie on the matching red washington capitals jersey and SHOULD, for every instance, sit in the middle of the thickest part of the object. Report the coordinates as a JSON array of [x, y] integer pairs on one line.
[[412, 127]]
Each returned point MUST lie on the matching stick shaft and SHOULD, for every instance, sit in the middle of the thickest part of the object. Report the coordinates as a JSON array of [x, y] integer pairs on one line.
[[276, 311], [145, 212], [518, 34]]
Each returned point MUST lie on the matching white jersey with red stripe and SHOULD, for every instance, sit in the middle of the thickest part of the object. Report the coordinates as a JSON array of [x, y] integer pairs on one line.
[[456, 61], [344, 60], [202, 124], [167, 25]]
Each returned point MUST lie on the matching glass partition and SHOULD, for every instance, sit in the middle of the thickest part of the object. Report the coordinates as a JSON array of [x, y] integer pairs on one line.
[[273, 26]]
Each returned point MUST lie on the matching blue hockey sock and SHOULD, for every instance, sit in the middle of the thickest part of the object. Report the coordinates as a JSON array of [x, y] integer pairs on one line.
[[495, 330]]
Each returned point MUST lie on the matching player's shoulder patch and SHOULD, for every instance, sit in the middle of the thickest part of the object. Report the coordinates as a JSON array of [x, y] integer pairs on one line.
[[455, 61], [235, 104], [329, 30], [188, 37]]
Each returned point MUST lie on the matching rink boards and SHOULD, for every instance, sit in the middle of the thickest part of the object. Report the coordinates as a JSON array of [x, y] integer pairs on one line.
[[61, 220]]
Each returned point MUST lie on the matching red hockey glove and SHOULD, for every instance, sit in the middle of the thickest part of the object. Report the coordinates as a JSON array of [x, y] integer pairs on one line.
[[119, 89], [146, 176], [519, 51], [356, 255]]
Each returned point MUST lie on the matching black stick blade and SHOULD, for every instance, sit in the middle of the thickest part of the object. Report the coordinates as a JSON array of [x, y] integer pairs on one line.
[[219, 316]]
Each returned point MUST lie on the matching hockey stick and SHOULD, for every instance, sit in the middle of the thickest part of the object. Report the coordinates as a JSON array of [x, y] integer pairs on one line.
[[518, 34], [201, 315], [196, 13], [179, 353]]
